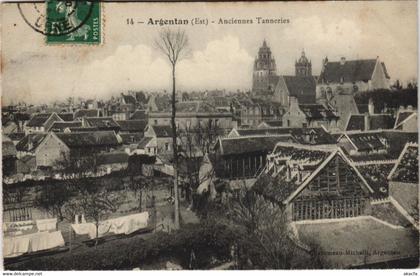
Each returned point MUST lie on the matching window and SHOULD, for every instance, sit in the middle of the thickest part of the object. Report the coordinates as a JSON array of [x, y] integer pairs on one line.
[[156, 122], [166, 146]]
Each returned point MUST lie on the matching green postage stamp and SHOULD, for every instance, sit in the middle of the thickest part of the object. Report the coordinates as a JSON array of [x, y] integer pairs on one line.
[[73, 22], [65, 22]]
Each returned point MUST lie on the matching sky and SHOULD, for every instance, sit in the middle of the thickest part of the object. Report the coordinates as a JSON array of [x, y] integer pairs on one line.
[[220, 56]]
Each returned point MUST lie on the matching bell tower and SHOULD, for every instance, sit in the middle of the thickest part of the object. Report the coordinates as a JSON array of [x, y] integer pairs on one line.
[[303, 66], [264, 67]]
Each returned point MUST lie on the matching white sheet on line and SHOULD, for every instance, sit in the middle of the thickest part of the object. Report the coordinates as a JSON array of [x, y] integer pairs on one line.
[[15, 246], [46, 224]]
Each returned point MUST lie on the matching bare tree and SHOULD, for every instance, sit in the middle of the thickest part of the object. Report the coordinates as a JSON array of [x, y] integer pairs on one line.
[[174, 44]]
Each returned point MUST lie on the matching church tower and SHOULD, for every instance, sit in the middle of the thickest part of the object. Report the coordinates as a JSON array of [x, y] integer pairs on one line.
[[303, 67], [264, 70]]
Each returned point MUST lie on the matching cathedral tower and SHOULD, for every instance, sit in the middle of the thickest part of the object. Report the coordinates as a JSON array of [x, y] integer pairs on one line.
[[264, 70], [303, 67]]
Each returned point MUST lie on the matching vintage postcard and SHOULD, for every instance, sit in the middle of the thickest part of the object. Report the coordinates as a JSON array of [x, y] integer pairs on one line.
[[209, 135]]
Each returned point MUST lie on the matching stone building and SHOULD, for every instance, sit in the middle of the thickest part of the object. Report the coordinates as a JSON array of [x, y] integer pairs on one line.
[[303, 66], [264, 76]]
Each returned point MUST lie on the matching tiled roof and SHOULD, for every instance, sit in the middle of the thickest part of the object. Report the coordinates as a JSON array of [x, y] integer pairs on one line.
[[273, 123], [402, 116], [242, 145], [377, 121], [113, 158], [163, 131], [87, 139], [86, 113], [317, 135], [144, 142], [376, 176], [139, 115], [350, 71], [368, 140], [317, 111], [38, 120], [25, 143], [61, 126], [407, 169], [16, 136], [132, 125], [101, 122], [301, 87], [130, 138], [67, 117]]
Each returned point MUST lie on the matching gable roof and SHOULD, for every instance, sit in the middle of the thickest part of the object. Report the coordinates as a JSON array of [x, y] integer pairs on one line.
[[86, 113], [132, 125], [30, 142], [376, 175], [350, 71], [139, 115], [311, 159], [113, 158], [143, 142], [89, 139], [376, 121], [67, 117], [162, 131], [317, 111], [101, 122], [242, 145], [38, 120], [61, 126], [317, 134], [406, 170], [403, 116], [304, 88]]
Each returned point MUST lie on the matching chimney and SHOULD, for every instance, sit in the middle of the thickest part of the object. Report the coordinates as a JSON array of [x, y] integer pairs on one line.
[[371, 107], [367, 121], [410, 108], [288, 173], [293, 101], [299, 176], [342, 60]]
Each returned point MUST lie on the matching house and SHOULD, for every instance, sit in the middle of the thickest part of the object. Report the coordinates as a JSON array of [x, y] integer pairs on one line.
[[254, 111], [301, 87], [313, 182], [272, 123], [406, 120], [368, 121], [404, 183], [56, 146], [29, 144], [66, 116], [139, 115], [160, 142], [310, 136], [132, 126], [101, 123], [351, 76], [9, 154], [41, 122], [81, 113], [242, 157], [375, 145], [62, 126], [192, 114], [112, 162], [309, 115], [340, 80]]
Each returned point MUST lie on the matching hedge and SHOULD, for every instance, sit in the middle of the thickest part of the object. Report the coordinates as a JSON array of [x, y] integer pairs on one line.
[[205, 239]]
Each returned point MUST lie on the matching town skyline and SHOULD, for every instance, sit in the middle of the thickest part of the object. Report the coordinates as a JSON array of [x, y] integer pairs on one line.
[[225, 55]]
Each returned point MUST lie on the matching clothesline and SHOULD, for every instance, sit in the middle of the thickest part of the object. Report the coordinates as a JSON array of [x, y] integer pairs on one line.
[[122, 225]]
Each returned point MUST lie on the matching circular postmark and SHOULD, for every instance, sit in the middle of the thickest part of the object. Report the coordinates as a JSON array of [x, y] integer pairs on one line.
[[56, 18]]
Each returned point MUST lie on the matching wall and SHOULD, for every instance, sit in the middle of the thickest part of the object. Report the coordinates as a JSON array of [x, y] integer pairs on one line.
[[405, 194], [294, 117], [50, 151], [379, 81]]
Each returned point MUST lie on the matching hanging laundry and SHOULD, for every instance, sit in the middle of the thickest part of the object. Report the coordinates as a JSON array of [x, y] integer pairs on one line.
[[46, 224]]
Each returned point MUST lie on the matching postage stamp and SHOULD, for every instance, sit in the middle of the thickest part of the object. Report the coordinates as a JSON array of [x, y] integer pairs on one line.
[[65, 22]]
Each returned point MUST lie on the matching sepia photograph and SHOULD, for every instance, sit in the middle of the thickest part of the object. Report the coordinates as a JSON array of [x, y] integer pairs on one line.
[[209, 135]]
